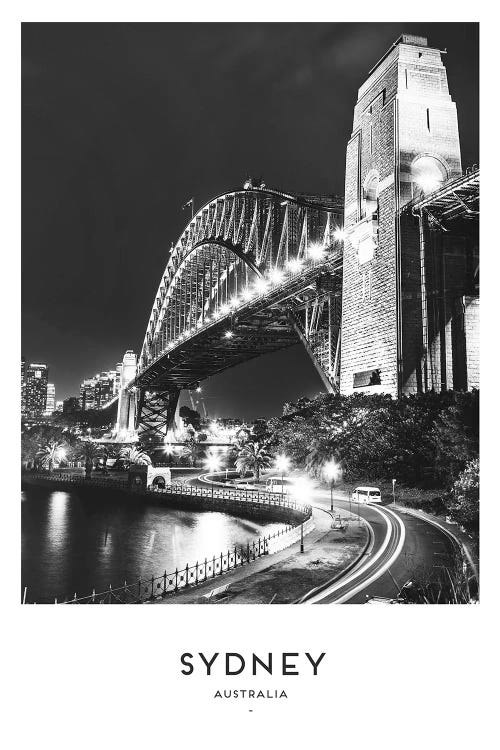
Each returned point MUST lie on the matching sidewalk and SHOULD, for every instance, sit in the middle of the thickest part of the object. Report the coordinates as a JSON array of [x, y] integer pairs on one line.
[[287, 575]]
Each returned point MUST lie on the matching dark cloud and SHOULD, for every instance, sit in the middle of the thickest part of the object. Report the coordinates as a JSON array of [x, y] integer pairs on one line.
[[123, 122]]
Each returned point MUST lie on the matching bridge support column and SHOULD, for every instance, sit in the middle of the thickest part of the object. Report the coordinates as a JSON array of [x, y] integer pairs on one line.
[[155, 415]]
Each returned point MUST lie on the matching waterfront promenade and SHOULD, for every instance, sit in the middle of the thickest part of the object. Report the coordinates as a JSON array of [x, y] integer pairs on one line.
[[336, 543]]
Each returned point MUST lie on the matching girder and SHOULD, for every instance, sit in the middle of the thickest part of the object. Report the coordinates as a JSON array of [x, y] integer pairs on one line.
[[246, 277]]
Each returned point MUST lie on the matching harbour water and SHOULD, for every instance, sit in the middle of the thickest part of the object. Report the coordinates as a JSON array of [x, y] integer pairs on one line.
[[72, 543]]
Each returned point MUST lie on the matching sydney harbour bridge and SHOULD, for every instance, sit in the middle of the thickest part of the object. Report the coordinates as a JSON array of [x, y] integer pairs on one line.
[[381, 285], [254, 271]]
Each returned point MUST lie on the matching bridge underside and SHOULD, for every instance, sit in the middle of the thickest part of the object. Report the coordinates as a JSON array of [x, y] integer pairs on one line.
[[305, 309]]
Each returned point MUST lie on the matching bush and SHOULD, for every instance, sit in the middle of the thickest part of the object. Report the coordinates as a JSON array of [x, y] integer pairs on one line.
[[463, 503]]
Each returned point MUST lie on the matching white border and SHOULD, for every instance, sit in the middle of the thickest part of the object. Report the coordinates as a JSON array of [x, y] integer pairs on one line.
[[394, 677]]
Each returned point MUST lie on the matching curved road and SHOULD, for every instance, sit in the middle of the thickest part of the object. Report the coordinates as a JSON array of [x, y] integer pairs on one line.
[[402, 546]]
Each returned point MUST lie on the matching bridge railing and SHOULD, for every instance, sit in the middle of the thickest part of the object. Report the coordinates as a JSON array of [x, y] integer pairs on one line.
[[158, 587], [216, 493]]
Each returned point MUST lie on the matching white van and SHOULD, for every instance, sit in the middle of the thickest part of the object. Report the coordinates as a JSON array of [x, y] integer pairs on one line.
[[277, 484], [366, 495]]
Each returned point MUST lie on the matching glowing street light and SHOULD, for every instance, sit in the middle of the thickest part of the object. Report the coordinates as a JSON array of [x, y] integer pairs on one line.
[[331, 471], [212, 464], [225, 310], [276, 276], [282, 464], [247, 294], [294, 265], [261, 286], [339, 235], [428, 182], [316, 251], [228, 335]]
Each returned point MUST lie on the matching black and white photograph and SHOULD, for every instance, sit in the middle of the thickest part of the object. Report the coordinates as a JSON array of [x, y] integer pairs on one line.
[[241, 258], [250, 313]]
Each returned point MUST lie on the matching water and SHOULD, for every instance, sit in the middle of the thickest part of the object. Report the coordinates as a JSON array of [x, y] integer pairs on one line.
[[71, 542]]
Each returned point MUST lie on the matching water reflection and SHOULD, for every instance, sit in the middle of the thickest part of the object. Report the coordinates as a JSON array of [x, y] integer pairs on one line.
[[74, 543], [57, 519]]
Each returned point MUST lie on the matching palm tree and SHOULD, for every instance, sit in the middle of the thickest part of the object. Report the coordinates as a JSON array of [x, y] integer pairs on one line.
[[51, 453], [253, 457], [88, 451], [136, 455]]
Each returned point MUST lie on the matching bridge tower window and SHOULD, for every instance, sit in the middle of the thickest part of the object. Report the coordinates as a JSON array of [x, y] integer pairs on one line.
[[370, 197]]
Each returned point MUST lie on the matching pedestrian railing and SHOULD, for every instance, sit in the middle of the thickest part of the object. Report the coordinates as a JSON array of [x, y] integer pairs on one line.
[[182, 490], [158, 587]]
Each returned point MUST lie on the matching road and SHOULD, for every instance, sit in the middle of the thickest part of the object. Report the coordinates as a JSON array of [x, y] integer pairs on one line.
[[402, 548]]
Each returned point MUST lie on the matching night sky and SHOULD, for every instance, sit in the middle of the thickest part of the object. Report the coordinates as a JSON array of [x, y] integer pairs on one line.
[[123, 123]]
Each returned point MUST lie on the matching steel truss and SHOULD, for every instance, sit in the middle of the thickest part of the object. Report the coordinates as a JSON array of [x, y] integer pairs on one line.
[[253, 270], [155, 414]]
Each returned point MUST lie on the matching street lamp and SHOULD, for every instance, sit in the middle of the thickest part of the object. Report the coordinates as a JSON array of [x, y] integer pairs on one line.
[[331, 472], [393, 492], [212, 464], [282, 463]]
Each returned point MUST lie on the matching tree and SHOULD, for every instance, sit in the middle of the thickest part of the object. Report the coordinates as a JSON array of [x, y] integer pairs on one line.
[[190, 416], [456, 436], [51, 454], [253, 456], [30, 447], [136, 455], [189, 450], [88, 451], [319, 454], [464, 500]]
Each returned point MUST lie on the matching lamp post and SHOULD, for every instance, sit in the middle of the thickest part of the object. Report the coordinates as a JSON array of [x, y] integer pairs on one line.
[[393, 492], [331, 472], [282, 463], [213, 465]]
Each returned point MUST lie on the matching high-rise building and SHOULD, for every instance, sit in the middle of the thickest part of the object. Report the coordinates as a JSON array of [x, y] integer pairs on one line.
[[23, 386], [36, 389], [87, 394], [51, 399], [104, 388], [97, 392]]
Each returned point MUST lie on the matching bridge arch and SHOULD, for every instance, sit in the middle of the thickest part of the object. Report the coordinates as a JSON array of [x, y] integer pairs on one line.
[[234, 238], [254, 271]]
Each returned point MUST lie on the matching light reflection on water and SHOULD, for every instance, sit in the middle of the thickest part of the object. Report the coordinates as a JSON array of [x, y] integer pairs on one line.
[[75, 544]]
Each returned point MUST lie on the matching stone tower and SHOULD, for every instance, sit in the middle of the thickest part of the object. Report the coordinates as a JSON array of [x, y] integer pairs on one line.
[[404, 144], [125, 421]]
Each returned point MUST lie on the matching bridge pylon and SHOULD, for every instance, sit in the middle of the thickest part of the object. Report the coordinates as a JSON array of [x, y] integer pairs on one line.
[[155, 416], [404, 284]]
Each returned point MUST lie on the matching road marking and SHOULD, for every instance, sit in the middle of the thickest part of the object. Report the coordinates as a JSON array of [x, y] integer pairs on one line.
[[352, 576], [384, 567]]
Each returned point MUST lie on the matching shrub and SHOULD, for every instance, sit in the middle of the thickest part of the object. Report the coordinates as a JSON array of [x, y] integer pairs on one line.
[[463, 503]]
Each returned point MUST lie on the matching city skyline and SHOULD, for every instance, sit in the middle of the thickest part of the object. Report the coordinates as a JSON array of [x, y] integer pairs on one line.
[[124, 184]]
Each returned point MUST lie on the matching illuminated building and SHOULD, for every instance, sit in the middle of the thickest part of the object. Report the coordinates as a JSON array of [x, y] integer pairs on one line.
[[23, 386], [51, 399], [36, 389]]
